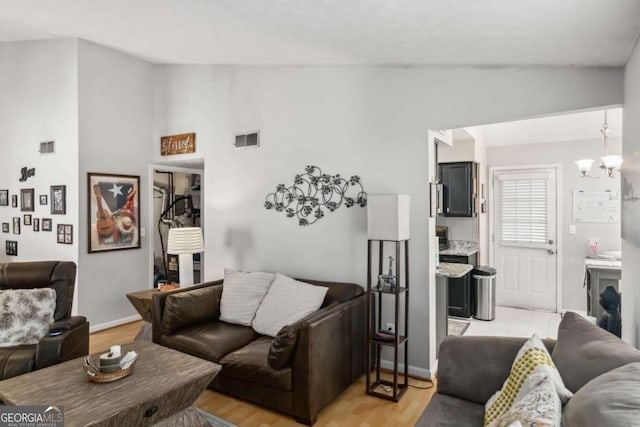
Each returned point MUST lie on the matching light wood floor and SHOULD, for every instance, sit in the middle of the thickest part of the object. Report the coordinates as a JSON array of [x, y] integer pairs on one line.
[[352, 408]]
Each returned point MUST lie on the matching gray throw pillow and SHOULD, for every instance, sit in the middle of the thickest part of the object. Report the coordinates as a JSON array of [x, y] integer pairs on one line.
[[584, 351], [612, 399]]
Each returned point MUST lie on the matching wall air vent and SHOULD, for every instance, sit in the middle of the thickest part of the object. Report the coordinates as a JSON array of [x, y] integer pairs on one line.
[[47, 147], [247, 140]]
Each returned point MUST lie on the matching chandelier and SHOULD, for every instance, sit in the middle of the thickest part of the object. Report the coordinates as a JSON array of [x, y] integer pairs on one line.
[[609, 163]]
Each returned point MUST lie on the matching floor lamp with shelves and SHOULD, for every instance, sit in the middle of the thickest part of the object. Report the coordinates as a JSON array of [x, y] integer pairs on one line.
[[388, 225]]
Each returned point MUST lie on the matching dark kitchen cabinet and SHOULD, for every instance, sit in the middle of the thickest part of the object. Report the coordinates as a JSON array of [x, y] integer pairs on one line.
[[461, 297], [459, 186]]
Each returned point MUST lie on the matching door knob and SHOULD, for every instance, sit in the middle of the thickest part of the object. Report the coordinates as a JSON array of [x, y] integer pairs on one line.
[[551, 242], [550, 252]]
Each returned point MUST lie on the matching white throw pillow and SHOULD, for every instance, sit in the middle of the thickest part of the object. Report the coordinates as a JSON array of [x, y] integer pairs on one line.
[[538, 405], [242, 293], [25, 315], [532, 360], [287, 301]]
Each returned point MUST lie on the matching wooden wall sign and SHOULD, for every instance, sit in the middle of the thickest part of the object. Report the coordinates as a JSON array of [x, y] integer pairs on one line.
[[178, 144]]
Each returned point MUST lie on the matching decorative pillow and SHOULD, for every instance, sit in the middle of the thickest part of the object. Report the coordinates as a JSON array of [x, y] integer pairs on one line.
[[532, 359], [189, 308], [612, 399], [242, 293], [286, 302], [284, 343], [25, 315], [538, 405], [584, 351]]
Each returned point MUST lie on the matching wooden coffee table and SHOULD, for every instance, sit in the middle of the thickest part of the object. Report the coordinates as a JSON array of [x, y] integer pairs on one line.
[[163, 383]]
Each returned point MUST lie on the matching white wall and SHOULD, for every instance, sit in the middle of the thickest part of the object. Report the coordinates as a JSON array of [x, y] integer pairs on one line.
[[631, 250], [574, 247], [362, 120], [115, 131], [39, 102]]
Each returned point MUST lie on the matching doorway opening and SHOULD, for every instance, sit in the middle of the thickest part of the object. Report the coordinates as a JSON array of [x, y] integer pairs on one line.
[[177, 200], [528, 211]]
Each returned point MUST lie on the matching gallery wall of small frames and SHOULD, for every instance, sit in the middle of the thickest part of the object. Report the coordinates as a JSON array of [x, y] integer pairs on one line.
[[19, 214]]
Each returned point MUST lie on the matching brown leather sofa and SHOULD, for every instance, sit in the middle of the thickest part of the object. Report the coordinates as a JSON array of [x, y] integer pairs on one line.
[[72, 342], [315, 359]]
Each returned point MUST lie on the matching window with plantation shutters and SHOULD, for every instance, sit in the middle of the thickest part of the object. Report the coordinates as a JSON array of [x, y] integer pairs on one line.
[[523, 204]]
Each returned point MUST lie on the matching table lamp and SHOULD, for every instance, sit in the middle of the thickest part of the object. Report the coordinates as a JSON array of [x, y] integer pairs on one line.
[[185, 242]]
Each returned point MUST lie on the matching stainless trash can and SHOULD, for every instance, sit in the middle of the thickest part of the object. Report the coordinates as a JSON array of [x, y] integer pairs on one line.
[[485, 287]]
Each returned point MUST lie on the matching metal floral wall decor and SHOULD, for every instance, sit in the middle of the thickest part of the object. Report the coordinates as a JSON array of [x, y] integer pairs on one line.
[[314, 191]]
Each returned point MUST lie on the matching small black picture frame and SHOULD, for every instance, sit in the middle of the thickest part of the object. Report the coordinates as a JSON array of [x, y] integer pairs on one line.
[[5, 227], [44, 200], [58, 199], [12, 248], [65, 234], [14, 201], [36, 224], [47, 224], [4, 197], [27, 200], [16, 225], [27, 219]]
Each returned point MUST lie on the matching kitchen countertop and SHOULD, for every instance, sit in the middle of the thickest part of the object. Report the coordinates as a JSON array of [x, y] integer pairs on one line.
[[460, 248], [453, 270]]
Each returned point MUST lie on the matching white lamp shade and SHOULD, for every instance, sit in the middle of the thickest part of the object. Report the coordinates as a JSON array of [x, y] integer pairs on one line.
[[612, 162], [388, 217], [584, 165], [187, 240]]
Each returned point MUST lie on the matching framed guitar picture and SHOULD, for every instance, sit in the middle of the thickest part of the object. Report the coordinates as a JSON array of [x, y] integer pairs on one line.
[[114, 212]]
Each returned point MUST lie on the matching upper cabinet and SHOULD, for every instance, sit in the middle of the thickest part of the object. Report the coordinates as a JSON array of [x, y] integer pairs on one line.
[[460, 188]]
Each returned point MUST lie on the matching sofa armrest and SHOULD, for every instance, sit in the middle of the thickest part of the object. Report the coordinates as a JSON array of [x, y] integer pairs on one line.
[[474, 368], [159, 302], [72, 342], [329, 357]]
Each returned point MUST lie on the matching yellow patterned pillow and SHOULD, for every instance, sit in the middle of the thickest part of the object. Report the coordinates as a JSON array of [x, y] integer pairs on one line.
[[532, 359]]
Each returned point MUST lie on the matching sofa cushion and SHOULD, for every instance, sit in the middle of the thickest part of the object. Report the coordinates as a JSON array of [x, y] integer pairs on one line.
[[584, 351], [16, 360], [283, 345], [242, 293], [190, 308], [250, 363], [532, 360], [211, 340], [538, 405], [449, 411], [612, 399], [25, 315], [286, 302]]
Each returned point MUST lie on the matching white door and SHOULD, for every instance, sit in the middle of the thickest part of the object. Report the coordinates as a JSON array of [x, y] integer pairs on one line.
[[524, 237]]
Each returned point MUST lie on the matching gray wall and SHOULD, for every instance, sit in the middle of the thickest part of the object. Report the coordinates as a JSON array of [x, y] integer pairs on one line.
[[39, 102], [630, 208], [115, 127], [574, 247], [349, 120]]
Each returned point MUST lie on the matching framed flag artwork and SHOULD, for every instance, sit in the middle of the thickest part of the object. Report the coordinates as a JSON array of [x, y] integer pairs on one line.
[[114, 212]]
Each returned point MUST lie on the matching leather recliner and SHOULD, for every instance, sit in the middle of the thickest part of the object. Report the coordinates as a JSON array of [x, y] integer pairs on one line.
[[68, 336]]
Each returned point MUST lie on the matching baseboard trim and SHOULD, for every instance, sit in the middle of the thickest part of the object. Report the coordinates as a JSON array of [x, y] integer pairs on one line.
[[113, 323], [414, 371]]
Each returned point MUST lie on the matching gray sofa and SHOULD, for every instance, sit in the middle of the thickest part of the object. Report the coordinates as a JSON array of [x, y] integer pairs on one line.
[[602, 371]]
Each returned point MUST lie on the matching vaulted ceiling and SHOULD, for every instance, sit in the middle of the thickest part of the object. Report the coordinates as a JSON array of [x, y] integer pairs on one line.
[[340, 32]]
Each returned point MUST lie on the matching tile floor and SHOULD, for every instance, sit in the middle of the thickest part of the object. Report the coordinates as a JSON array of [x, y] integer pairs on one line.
[[516, 322]]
